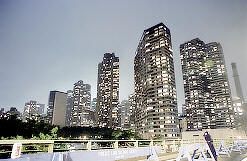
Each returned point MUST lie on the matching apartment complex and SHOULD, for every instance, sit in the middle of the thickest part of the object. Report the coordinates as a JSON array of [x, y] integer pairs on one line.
[[207, 92], [156, 114], [108, 91]]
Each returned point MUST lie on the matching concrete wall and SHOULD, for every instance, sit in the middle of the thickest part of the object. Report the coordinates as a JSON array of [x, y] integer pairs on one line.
[[223, 133]]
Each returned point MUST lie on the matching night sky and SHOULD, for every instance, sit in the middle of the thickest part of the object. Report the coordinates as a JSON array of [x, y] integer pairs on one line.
[[49, 45]]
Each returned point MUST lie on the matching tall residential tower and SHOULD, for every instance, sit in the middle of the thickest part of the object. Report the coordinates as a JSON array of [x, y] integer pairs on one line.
[[108, 91], [207, 91], [80, 113], [155, 90]]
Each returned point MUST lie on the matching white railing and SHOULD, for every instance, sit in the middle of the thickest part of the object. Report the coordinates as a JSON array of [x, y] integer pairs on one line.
[[50, 146]]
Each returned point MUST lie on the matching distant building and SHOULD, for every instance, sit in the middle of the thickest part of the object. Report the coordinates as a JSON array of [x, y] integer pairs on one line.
[[91, 117], [239, 104], [108, 91], [41, 109], [239, 113], [1, 112], [124, 108], [207, 91], [56, 111], [81, 112], [94, 104], [132, 107], [32, 111], [155, 89], [244, 117], [13, 113], [126, 113], [69, 107]]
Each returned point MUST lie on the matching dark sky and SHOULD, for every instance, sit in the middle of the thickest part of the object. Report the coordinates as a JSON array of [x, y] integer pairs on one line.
[[49, 45]]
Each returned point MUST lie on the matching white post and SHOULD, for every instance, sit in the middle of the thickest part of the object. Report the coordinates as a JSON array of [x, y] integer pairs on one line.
[[89, 145], [151, 143], [50, 148], [136, 144], [115, 144]]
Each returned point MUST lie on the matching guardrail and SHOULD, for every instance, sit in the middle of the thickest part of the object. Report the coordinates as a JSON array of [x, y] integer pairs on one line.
[[33, 146]]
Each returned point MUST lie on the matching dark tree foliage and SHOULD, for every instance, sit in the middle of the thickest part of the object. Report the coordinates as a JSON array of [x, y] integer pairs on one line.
[[11, 127], [96, 133]]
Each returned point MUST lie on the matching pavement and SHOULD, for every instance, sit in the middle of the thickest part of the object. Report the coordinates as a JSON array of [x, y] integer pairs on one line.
[[235, 156]]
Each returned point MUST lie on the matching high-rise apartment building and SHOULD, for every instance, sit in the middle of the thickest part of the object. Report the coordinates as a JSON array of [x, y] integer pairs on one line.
[[126, 113], [207, 92], [32, 111], [132, 107], [108, 91], [69, 107], [124, 109], [156, 110], [80, 113], [56, 112], [220, 87]]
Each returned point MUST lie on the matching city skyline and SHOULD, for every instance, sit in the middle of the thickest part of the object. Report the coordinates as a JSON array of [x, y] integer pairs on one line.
[[48, 45]]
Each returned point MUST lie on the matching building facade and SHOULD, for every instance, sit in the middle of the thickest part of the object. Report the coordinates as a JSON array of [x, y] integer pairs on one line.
[[56, 112], [156, 113], [126, 113], [220, 87], [208, 102], [132, 103], [32, 111], [124, 109], [93, 104], [108, 91], [81, 110], [69, 107]]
